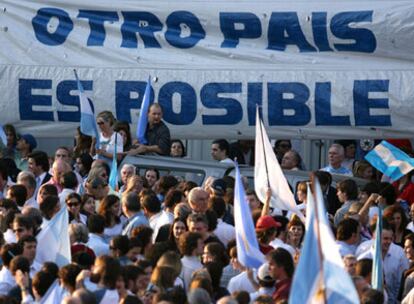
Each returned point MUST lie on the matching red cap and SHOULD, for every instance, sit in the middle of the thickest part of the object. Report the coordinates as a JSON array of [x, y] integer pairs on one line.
[[266, 222]]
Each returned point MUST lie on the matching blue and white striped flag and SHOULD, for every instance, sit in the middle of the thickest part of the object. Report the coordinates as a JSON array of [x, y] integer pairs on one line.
[[143, 114], [390, 160], [248, 252], [87, 116], [377, 276], [113, 176], [3, 136], [320, 273]]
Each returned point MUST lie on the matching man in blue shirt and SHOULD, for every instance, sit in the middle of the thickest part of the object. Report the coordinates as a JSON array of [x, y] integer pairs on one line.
[[131, 207], [336, 155]]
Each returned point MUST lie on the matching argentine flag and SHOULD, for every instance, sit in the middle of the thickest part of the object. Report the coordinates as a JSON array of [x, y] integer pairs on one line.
[[143, 114], [3, 136], [320, 274], [390, 160], [87, 119]]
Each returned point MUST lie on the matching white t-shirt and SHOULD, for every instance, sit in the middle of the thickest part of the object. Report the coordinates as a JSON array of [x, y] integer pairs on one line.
[[108, 144]]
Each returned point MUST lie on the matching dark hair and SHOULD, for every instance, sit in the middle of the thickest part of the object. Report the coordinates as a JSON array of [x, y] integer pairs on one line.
[[25, 221], [324, 178], [124, 126], [69, 180], [86, 160], [131, 202], [284, 259], [363, 267], [48, 206], [223, 145], [166, 182], [9, 251], [181, 144], [151, 203], [19, 263], [110, 271], [49, 189], [19, 193], [83, 144], [279, 141], [387, 191], [68, 274], [346, 228], [371, 187], [42, 280], [350, 188], [215, 269], [144, 233], [187, 242], [172, 198], [372, 296], [389, 214], [9, 128], [96, 223], [27, 239], [217, 204], [121, 243], [3, 171], [410, 237], [40, 158], [171, 232], [74, 195], [157, 173], [104, 209], [218, 251]]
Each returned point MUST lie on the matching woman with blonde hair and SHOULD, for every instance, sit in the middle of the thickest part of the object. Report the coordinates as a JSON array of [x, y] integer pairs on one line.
[[107, 138]]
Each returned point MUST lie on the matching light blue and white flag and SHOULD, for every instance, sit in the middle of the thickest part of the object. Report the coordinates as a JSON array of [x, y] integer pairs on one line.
[[3, 137], [320, 272], [377, 276], [87, 116], [113, 176], [248, 252], [53, 240], [55, 294], [143, 114], [390, 160]]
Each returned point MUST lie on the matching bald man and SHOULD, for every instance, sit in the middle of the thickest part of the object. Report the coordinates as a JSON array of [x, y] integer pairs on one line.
[[59, 168], [157, 134], [198, 200]]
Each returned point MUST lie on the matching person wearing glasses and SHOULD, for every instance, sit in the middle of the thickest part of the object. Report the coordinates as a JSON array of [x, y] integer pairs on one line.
[[108, 138], [73, 202]]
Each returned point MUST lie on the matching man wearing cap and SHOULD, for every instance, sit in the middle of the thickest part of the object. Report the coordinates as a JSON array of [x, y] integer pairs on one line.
[[266, 230], [266, 283], [25, 145]]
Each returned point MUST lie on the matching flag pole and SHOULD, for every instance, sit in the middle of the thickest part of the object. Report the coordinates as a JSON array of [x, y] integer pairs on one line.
[[264, 151], [318, 235]]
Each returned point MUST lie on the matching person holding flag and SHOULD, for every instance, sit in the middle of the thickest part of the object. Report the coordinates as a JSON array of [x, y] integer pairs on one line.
[[110, 142], [153, 136]]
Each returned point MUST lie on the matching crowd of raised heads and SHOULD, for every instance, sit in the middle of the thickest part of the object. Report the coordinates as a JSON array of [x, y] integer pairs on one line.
[[159, 239]]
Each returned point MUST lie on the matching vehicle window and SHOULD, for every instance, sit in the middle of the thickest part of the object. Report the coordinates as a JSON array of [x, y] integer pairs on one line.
[[196, 176]]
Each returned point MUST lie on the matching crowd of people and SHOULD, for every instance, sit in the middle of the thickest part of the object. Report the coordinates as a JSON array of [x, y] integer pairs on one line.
[[155, 239]]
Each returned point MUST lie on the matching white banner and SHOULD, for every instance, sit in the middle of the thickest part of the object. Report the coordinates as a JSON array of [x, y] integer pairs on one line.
[[319, 69]]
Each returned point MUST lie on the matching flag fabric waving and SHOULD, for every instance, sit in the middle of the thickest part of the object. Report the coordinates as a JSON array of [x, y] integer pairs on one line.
[[143, 114], [268, 173], [87, 116], [113, 176], [320, 274], [390, 160], [53, 240], [377, 275], [3, 136], [248, 252]]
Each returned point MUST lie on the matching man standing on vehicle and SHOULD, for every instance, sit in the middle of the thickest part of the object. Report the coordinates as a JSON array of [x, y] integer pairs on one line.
[[336, 155], [220, 149], [157, 134]]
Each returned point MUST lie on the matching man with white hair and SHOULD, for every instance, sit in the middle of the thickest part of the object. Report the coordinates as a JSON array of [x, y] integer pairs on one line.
[[198, 200], [127, 171], [27, 179], [336, 155]]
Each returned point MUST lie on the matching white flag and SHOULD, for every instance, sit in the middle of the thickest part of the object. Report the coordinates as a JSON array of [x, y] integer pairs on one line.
[[267, 172], [53, 240]]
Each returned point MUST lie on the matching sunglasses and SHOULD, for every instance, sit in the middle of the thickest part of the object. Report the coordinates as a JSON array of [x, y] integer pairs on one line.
[[73, 204], [18, 230], [100, 122]]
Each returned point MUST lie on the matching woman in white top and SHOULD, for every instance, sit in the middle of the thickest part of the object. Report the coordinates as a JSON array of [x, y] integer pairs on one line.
[[107, 138]]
